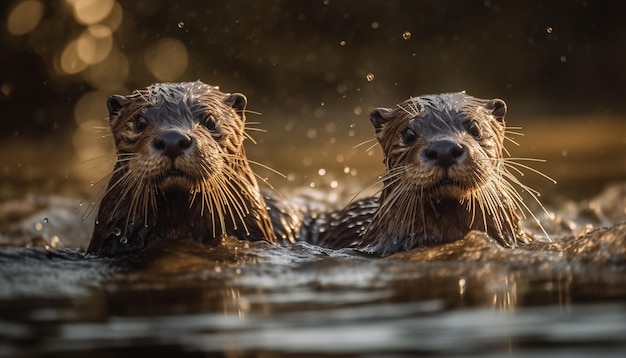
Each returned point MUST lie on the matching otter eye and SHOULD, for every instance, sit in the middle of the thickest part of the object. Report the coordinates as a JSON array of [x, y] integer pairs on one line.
[[140, 123], [474, 129], [210, 122], [409, 136]]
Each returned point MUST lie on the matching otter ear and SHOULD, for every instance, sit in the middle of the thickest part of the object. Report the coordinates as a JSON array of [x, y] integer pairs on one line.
[[497, 108], [115, 104], [237, 101], [379, 117]]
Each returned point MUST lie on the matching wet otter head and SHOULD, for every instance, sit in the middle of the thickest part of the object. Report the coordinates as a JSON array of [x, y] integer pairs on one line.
[[181, 170], [445, 173]]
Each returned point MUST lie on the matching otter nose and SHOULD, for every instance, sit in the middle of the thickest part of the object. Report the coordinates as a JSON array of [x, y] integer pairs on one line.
[[172, 143], [444, 153]]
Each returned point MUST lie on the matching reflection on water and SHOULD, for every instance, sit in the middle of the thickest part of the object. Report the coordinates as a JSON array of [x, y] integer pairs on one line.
[[253, 297]]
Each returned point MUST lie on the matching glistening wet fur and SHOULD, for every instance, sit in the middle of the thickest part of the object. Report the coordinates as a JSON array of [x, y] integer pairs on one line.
[[446, 175], [181, 171]]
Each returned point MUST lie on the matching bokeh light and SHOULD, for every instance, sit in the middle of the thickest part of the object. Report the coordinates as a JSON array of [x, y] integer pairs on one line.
[[167, 59], [95, 44], [109, 74], [90, 12], [70, 61], [90, 114], [24, 17]]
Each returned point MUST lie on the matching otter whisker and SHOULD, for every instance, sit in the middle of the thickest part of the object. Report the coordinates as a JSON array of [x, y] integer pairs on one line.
[[254, 129], [391, 175], [217, 207], [268, 168], [513, 131], [100, 190], [512, 162], [363, 143], [233, 195], [250, 111], [511, 141], [522, 204], [137, 197], [205, 190]]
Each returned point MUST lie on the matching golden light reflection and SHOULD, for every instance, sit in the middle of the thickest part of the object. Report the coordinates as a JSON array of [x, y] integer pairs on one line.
[[167, 60], [70, 63], [91, 106], [110, 74], [90, 12], [90, 114], [95, 44], [24, 17], [114, 19]]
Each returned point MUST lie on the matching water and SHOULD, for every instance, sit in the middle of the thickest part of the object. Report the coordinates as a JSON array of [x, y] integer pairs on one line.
[[465, 299]]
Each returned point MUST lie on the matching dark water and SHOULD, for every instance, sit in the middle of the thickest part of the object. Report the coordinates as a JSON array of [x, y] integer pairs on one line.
[[471, 298]]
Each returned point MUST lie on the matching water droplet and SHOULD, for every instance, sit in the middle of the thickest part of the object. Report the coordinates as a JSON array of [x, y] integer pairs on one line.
[[81, 203], [91, 183], [124, 240], [334, 184], [549, 30], [375, 25], [38, 226], [342, 43], [45, 220], [54, 241], [369, 77], [97, 222], [181, 25], [321, 172], [406, 35], [117, 231], [563, 59]]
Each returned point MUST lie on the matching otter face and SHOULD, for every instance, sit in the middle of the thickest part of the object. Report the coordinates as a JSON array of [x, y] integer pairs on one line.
[[443, 146], [174, 137]]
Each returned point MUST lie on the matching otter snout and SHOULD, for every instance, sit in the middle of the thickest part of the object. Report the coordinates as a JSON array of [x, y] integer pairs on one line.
[[172, 143], [444, 153]]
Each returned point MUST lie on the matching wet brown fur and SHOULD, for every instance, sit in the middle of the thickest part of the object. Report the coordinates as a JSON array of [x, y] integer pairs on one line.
[[423, 203], [205, 193]]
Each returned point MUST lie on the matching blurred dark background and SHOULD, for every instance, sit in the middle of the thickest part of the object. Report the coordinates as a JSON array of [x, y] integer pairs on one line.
[[315, 69]]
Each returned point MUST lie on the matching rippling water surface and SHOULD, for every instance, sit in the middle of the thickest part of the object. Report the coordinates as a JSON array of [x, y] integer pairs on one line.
[[470, 298]]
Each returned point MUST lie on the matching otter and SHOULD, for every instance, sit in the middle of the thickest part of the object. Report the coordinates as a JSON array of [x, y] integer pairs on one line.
[[446, 175], [182, 172]]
